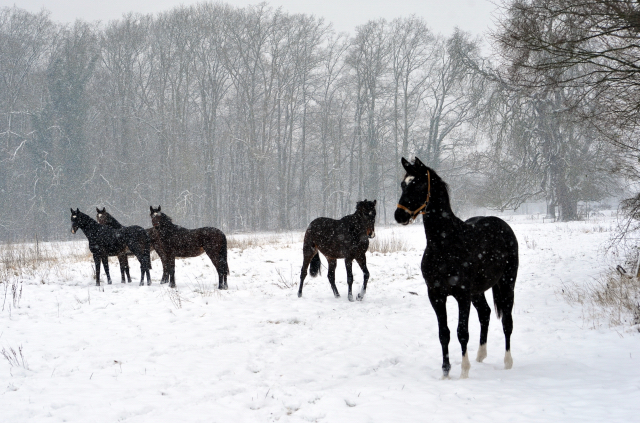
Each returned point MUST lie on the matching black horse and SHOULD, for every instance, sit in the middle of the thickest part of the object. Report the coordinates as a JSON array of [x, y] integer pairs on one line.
[[462, 259], [105, 241], [134, 234], [171, 241], [347, 238]]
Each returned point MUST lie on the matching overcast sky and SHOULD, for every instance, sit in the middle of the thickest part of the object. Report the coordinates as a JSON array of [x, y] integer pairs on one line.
[[442, 16]]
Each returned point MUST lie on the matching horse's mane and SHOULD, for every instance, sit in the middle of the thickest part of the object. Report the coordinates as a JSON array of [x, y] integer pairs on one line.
[[439, 181]]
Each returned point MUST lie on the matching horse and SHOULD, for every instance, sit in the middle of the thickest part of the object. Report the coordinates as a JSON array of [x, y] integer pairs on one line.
[[105, 241], [134, 234], [347, 238], [462, 259], [171, 241]]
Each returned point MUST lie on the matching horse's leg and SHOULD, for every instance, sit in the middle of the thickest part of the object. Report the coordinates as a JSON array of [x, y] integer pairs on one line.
[[464, 307], [96, 259], [105, 264], [348, 263], [307, 252], [172, 271], [331, 273], [165, 267], [218, 264], [124, 267], [484, 315], [143, 269], [439, 304], [362, 262]]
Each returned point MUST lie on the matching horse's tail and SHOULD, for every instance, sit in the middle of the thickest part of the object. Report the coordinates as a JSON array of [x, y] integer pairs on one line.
[[314, 266], [503, 290]]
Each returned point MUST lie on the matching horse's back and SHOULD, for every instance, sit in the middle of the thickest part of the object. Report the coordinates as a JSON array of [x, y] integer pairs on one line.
[[494, 230], [208, 235]]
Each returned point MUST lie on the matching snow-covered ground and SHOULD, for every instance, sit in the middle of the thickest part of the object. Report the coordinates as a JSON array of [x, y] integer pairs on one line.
[[259, 353]]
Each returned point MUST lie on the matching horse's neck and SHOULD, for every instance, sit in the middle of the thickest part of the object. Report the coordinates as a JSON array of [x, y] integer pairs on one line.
[[114, 223], [90, 228], [357, 219], [168, 228], [440, 222]]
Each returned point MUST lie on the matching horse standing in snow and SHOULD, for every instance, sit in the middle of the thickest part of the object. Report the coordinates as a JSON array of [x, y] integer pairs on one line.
[[105, 241], [171, 241], [347, 238], [462, 259], [136, 234]]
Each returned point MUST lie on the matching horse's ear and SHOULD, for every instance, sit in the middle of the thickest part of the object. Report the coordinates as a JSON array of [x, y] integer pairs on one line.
[[419, 164], [98, 210], [151, 209], [159, 208], [375, 202], [78, 210], [407, 165], [72, 212]]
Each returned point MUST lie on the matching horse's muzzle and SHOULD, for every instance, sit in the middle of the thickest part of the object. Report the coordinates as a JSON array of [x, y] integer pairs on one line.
[[402, 217], [371, 234]]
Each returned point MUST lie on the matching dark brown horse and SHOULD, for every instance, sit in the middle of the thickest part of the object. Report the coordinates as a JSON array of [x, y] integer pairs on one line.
[[463, 259], [171, 241], [105, 241], [136, 234], [347, 238]]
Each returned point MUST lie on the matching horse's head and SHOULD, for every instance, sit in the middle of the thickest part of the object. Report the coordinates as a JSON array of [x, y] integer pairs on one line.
[[78, 220], [157, 217], [416, 191], [367, 209], [102, 216]]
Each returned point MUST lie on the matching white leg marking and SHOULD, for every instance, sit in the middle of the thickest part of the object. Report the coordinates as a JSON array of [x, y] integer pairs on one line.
[[466, 365], [508, 361], [482, 353]]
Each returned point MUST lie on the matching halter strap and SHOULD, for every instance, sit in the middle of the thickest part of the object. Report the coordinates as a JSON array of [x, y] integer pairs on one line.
[[419, 210]]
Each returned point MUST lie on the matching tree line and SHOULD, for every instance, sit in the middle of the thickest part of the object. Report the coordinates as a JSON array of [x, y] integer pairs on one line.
[[254, 119]]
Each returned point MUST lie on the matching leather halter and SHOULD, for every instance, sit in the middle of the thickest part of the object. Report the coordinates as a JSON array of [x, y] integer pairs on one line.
[[419, 210]]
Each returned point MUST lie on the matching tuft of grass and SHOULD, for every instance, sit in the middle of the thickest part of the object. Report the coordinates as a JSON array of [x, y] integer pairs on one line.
[[286, 281], [530, 242], [38, 260], [614, 298], [388, 244], [174, 296], [245, 241], [15, 358]]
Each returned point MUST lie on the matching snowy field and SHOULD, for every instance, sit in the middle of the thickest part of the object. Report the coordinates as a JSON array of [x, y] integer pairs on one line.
[[257, 353]]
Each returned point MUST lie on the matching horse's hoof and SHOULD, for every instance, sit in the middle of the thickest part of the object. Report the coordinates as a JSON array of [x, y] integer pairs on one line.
[[508, 360], [109, 282], [350, 296], [482, 353], [299, 294], [359, 297], [97, 283], [141, 283]]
